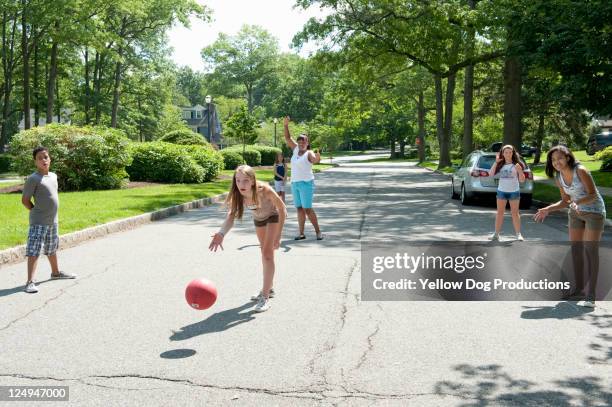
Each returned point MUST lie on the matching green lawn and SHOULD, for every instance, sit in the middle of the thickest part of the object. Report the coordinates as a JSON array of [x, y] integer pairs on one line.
[[80, 210], [325, 154], [550, 194], [434, 166]]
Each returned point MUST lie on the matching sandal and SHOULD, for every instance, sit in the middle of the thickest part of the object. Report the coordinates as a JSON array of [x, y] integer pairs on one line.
[[300, 237], [320, 236]]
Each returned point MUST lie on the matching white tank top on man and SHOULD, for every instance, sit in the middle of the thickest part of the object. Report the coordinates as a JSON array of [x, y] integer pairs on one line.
[[301, 167], [508, 179]]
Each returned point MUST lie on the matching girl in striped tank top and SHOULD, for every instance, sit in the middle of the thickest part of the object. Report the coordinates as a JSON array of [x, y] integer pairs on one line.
[[586, 218]]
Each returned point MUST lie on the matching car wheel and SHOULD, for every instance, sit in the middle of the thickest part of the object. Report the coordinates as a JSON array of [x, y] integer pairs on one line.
[[454, 195], [465, 199]]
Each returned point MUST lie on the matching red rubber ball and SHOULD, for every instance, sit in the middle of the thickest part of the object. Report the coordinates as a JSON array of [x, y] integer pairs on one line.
[[201, 294]]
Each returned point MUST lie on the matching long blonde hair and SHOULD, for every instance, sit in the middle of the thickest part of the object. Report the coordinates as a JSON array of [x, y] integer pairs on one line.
[[235, 200]]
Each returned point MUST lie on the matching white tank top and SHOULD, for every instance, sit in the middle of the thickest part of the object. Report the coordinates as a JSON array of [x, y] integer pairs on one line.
[[508, 179], [301, 168]]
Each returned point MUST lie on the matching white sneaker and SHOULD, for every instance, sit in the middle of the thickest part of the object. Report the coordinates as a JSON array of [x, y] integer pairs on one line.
[[259, 295], [31, 287], [494, 237], [586, 303], [519, 237], [263, 305]]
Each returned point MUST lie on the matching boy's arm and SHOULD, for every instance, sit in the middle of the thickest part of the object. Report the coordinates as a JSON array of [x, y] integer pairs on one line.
[[290, 142], [28, 192], [27, 202]]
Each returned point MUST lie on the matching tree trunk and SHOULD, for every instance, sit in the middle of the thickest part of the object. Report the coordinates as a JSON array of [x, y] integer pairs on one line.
[[7, 69], [445, 159], [538, 139], [393, 153], [26, 65], [468, 95], [116, 92], [58, 104], [87, 90], [421, 120], [402, 144], [439, 114], [52, 80], [36, 91], [249, 90], [97, 81], [512, 102]]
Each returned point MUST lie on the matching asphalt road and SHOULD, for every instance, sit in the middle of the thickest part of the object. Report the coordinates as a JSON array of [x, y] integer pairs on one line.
[[122, 334]]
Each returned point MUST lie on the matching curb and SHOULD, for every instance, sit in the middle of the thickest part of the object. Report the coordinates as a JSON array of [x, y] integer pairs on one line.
[[16, 254]]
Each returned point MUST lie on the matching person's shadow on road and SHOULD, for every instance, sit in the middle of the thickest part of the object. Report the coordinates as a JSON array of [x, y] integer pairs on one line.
[[19, 289], [217, 322], [563, 310]]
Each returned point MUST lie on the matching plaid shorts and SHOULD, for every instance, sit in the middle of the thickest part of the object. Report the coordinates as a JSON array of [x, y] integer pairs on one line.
[[40, 235]]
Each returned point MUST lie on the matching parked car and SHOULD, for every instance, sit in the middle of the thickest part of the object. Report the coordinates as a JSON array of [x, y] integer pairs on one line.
[[598, 142], [472, 179], [526, 151]]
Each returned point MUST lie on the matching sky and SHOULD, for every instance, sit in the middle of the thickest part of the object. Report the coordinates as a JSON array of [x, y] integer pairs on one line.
[[276, 16]]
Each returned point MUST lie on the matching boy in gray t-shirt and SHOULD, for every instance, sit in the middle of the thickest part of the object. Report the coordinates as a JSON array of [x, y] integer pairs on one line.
[[42, 186]]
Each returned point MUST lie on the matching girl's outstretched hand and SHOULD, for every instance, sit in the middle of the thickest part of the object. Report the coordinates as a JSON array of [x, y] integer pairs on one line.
[[216, 242], [541, 215], [286, 120]]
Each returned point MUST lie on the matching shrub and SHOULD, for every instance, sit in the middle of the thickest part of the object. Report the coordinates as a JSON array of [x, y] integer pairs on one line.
[[605, 156], [159, 161], [251, 156], [231, 159], [5, 162], [268, 154], [210, 160], [84, 158], [185, 137]]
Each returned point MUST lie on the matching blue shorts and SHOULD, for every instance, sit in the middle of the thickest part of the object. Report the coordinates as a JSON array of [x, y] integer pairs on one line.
[[302, 193], [510, 196], [40, 236]]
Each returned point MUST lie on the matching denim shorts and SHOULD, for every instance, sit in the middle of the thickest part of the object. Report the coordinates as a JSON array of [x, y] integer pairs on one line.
[[42, 236], [302, 193], [510, 196]]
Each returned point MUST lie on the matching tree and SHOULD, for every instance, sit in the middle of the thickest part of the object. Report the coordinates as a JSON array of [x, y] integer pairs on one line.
[[244, 59], [424, 33], [241, 126]]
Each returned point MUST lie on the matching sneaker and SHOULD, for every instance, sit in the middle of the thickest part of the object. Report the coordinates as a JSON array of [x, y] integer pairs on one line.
[[31, 287], [299, 237], [588, 303], [494, 237], [62, 276], [519, 237], [263, 305], [259, 295]]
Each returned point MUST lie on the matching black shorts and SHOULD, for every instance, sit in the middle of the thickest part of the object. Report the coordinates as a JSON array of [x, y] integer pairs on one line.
[[262, 223]]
